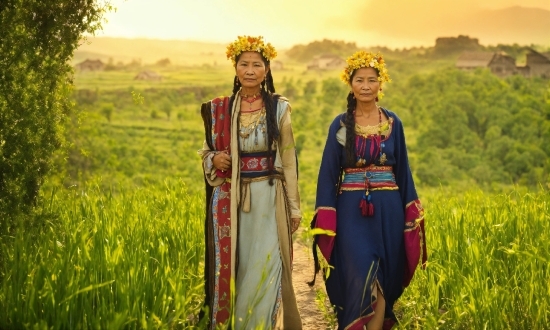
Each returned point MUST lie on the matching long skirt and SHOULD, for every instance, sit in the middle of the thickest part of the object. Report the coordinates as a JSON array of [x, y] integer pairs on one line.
[[259, 272], [368, 257]]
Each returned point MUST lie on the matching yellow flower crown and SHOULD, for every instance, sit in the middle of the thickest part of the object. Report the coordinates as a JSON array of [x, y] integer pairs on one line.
[[363, 59], [250, 44]]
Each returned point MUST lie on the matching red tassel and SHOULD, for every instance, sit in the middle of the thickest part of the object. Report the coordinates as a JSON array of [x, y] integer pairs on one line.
[[370, 210], [367, 208], [364, 207]]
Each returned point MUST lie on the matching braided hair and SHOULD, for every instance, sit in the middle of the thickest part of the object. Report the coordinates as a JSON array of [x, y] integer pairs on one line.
[[267, 90], [349, 121]]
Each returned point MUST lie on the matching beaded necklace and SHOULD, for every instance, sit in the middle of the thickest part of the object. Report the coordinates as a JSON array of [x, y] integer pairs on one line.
[[251, 99], [375, 147], [366, 206]]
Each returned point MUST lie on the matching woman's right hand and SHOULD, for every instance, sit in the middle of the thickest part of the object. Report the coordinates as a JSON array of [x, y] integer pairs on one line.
[[222, 161]]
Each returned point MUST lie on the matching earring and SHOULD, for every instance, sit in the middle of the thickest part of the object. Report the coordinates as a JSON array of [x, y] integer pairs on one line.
[[262, 84], [376, 99]]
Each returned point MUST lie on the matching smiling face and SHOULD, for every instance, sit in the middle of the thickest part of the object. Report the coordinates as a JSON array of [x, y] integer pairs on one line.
[[365, 84], [251, 70]]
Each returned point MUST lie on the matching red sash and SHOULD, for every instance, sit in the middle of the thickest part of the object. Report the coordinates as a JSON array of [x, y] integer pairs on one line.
[[221, 216]]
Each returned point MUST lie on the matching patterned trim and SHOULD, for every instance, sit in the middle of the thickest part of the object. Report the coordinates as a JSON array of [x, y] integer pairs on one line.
[[372, 189], [277, 305], [414, 215], [410, 203], [222, 263], [360, 322], [256, 162], [371, 168], [213, 114], [368, 131], [371, 177], [326, 208], [217, 266]]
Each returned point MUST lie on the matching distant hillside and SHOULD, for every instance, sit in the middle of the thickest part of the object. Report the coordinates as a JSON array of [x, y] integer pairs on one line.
[[151, 50], [183, 52], [305, 53]]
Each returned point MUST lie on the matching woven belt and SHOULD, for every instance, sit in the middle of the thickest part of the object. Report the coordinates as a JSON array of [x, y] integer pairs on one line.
[[255, 164], [371, 178]]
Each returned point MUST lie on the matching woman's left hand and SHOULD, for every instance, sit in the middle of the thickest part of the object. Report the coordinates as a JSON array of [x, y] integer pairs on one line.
[[295, 224]]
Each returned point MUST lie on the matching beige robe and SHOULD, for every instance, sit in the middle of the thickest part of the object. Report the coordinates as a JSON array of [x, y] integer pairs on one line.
[[287, 204]]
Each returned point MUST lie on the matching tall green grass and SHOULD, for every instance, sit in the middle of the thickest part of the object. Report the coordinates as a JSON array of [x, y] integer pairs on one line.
[[127, 261], [488, 264], [134, 260]]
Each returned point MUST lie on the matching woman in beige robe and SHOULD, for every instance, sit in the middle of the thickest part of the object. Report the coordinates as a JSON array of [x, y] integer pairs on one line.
[[249, 161]]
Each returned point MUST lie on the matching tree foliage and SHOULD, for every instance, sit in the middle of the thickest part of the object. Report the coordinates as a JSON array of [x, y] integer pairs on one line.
[[38, 40], [335, 47], [478, 127]]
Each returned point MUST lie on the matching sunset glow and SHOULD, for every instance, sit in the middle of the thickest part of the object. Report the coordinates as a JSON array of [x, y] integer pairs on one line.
[[399, 23]]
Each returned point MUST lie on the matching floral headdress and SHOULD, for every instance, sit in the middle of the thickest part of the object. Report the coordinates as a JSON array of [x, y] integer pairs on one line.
[[250, 44], [363, 59]]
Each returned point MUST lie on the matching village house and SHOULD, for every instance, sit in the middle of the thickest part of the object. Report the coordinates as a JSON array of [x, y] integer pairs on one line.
[[148, 75], [500, 64], [537, 64], [90, 65], [326, 62]]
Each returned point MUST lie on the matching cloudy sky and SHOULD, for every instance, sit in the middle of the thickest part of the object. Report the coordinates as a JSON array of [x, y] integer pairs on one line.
[[393, 23]]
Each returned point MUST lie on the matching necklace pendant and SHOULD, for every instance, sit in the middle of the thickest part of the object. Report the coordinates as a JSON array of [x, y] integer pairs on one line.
[[383, 158]]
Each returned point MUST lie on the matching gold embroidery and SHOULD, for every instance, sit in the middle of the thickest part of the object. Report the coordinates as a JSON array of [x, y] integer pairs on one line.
[[248, 118], [370, 189], [384, 128], [249, 121]]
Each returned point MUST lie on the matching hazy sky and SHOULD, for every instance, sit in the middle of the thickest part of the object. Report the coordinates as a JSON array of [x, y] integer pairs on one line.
[[393, 23]]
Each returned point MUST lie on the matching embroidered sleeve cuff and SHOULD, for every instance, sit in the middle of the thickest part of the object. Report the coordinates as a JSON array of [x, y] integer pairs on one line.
[[208, 164], [414, 239], [211, 174], [326, 220]]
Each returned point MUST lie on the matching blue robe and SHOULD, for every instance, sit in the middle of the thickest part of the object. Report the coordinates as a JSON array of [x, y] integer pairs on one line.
[[368, 252]]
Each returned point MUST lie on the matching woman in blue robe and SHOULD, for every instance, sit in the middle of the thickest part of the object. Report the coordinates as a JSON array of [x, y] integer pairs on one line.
[[367, 198]]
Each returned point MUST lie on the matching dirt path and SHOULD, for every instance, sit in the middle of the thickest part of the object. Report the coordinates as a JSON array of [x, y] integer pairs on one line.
[[312, 317]]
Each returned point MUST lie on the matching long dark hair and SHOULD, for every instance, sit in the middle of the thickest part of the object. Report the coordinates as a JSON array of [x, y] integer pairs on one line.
[[349, 121], [268, 92]]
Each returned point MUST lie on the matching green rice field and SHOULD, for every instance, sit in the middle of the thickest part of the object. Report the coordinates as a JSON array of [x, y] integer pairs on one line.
[[134, 260]]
